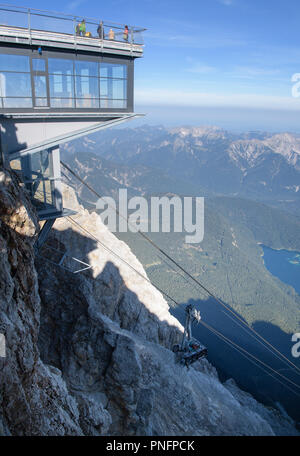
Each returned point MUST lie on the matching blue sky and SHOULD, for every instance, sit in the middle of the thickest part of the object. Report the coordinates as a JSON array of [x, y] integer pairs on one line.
[[226, 62]]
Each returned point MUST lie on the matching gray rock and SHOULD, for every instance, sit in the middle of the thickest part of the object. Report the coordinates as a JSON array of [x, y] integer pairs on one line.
[[89, 353], [33, 400]]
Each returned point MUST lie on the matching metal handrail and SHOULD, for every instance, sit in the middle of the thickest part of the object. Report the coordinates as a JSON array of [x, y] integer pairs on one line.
[[32, 13]]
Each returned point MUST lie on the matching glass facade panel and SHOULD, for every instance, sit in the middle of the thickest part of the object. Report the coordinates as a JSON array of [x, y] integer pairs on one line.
[[118, 88], [15, 84], [42, 195], [17, 102], [61, 85], [84, 68], [39, 172], [41, 102], [112, 70], [9, 62], [113, 104], [40, 87], [63, 66], [113, 88], [119, 104], [87, 87], [39, 183], [38, 65], [2, 85], [87, 103], [41, 165], [104, 88], [62, 103]]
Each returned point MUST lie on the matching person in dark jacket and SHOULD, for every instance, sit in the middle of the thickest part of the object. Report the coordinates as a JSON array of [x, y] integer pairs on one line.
[[125, 33], [100, 31]]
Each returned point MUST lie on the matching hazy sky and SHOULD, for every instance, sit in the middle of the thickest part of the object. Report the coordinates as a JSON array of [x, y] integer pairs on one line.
[[235, 57]]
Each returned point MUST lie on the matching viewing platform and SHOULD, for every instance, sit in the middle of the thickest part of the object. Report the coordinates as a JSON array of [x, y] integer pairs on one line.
[[61, 78], [67, 41], [19, 25], [51, 63]]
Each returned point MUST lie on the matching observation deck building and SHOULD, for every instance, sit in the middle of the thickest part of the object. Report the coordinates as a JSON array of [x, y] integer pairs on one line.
[[56, 86]]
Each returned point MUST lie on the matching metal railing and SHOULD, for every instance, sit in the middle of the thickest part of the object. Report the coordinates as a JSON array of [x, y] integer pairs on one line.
[[46, 21]]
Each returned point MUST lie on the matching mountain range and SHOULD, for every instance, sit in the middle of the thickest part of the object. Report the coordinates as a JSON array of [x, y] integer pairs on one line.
[[254, 165], [240, 214]]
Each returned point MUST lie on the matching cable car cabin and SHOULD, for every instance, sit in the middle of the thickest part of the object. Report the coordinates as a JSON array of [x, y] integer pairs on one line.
[[57, 84]]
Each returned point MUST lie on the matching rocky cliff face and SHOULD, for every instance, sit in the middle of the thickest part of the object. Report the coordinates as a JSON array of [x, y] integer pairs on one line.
[[89, 353], [33, 398]]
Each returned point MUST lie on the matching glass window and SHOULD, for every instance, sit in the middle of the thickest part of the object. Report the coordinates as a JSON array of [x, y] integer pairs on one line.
[[113, 88], [42, 194], [41, 102], [119, 88], [105, 85], [2, 85], [61, 85], [112, 70], [17, 102], [10, 62], [39, 172], [15, 84], [115, 104], [60, 65], [40, 87], [122, 104], [38, 65], [41, 165], [56, 85], [87, 87], [83, 68], [87, 103], [62, 103]]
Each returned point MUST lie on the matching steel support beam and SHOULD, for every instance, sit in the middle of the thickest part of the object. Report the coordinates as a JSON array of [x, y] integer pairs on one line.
[[43, 234], [57, 141]]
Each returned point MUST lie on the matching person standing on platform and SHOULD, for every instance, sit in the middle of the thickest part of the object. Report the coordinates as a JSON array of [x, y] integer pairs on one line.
[[82, 28], [100, 31], [111, 34], [125, 33]]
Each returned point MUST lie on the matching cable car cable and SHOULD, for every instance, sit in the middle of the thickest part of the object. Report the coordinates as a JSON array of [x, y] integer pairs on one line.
[[205, 324], [186, 272]]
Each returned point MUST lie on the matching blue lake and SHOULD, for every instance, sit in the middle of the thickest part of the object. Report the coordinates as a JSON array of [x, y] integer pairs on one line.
[[284, 264]]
